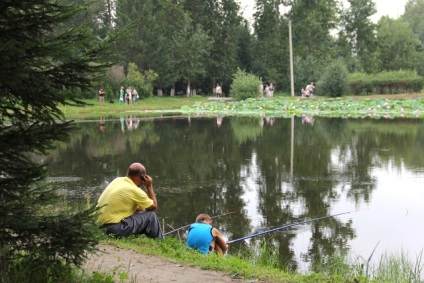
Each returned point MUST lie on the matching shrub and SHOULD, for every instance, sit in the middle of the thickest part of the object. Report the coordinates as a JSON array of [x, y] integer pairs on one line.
[[385, 82], [142, 82], [334, 81], [244, 85]]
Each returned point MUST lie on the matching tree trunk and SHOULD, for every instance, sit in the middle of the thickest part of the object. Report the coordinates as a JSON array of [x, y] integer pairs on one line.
[[160, 92], [172, 92], [188, 88], [109, 14]]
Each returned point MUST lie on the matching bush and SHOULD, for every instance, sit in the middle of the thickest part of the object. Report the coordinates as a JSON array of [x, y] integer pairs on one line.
[[385, 82], [244, 85], [334, 81], [142, 82]]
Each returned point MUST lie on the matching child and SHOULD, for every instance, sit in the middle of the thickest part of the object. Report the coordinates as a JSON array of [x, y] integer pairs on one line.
[[205, 238]]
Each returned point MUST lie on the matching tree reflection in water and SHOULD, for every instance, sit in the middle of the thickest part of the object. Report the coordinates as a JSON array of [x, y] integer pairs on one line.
[[216, 165]]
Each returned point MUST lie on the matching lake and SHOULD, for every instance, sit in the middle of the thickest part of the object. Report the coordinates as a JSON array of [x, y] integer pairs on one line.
[[270, 172]]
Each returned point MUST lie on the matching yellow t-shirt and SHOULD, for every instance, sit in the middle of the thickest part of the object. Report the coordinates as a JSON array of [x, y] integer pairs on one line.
[[120, 199]]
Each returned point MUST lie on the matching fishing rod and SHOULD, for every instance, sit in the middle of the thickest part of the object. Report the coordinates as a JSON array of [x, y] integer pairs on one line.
[[185, 226], [284, 227]]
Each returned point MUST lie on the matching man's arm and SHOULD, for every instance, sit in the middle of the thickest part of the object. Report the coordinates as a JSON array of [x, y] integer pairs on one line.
[[150, 192]]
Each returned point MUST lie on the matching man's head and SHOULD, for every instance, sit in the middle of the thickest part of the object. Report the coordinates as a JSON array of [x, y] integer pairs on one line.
[[137, 173], [204, 218]]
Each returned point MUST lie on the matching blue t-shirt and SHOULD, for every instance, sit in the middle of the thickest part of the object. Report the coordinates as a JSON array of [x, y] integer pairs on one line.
[[200, 237]]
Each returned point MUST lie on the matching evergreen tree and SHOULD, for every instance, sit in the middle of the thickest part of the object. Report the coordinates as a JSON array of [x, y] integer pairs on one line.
[[40, 70], [244, 47], [271, 48], [220, 20]]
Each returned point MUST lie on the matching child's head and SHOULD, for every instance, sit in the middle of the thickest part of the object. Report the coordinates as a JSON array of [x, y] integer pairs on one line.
[[204, 218]]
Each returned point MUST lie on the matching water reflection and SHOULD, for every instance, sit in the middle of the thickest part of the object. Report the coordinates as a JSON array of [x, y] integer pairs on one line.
[[308, 119], [271, 173]]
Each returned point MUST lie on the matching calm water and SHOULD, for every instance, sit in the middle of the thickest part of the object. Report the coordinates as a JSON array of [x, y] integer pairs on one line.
[[270, 172]]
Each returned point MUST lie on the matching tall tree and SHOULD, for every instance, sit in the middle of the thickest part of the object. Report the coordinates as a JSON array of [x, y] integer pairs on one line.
[[271, 46], [359, 32], [40, 70], [414, 10], [312, 22], [396, 45], [220, 20], [244, 47], [413, 15], [192, 55], [96, 15]]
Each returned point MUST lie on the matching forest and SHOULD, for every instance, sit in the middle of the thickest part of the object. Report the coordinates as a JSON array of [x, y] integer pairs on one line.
[[188, 46]]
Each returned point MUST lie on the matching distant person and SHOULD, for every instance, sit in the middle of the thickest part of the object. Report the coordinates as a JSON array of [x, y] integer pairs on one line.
[[271, 90], [125, 209], [121, 95], [310, 89], [203, 237], [134, 95], [267, 91], [101, 96], [261, 89], [218, 90], [128, 95]]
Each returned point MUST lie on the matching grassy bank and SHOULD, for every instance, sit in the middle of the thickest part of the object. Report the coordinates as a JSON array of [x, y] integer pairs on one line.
[[252, 267], [261, 264], [280, 106], [146, 107]]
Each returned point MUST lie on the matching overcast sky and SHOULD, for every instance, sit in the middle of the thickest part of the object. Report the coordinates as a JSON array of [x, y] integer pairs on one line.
[[391, 8]]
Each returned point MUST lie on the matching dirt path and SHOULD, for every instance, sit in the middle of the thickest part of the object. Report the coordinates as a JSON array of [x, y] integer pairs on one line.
[[144, 268]]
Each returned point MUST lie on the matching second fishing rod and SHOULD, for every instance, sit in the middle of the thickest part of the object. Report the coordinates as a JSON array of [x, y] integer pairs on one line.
[[188, 225], [285, 227]]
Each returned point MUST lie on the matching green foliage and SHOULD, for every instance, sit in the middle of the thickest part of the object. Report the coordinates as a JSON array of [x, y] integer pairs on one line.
[[142, 82], [40, 71], [397, 267], [334, 81], [396, 45], [244, 85], [358, 31], [306, 70], [262, 263], [311, 25], [245, 130], [333, 107], [385, 82]]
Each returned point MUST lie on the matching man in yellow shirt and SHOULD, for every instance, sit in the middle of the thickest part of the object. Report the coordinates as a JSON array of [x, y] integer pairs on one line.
[[125, 209]]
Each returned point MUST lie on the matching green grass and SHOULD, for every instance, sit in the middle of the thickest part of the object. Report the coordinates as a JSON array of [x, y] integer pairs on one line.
[[143, 107], [280, 106], [234, 266], [261, 263]]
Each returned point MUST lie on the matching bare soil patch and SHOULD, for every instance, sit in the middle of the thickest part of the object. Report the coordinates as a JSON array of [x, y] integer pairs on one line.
[[144, 268]]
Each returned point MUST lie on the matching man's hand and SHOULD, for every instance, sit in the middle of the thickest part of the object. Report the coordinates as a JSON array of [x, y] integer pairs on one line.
[[147, 181]]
